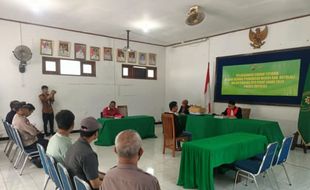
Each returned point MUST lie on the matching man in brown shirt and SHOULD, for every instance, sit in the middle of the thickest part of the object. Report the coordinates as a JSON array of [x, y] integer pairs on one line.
[[47, 100], [127, 175]]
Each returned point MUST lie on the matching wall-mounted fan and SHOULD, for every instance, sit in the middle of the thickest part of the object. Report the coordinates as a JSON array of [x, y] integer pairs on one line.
[[23, 54], [195, 15]]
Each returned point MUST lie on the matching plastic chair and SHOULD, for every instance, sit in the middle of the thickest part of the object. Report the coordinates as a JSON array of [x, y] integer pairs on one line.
[[80, 184], [53, 172], [44, 164], [26, 154], [64, 176], [250, 169], [14, 142]]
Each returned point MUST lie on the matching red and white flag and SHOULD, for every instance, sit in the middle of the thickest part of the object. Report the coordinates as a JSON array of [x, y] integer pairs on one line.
[[208, 90]]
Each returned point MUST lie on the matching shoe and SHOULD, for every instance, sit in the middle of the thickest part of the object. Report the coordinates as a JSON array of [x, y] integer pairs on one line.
[[37, 162]]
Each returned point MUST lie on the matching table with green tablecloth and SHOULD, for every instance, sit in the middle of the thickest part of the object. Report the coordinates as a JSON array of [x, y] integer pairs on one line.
[[200, 157], [205, 126], [144, 125]]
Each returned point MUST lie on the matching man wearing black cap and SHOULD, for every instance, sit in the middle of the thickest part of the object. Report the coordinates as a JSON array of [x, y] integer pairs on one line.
[[80, 159], [9, 117]]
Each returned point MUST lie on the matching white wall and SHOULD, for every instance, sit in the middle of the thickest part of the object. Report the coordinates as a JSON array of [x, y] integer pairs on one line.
[[85, 96], [186, 67]]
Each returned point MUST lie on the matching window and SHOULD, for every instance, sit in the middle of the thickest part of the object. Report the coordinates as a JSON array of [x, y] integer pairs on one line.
[[70, 67], [59, 66], [139, 72]]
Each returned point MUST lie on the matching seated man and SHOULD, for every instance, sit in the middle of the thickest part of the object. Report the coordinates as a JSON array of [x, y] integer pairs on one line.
[[111, 111], [10, 115], [80, 159], [30, 135], [179, 131], [184, 107], [60, 142], [127, 175], [232, 111]]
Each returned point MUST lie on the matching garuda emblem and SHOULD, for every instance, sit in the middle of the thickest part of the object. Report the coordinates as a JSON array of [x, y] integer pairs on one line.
[[307, 100], [258, 37]]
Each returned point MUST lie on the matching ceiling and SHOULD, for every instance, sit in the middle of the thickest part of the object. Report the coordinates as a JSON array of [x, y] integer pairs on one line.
[[164, 19]]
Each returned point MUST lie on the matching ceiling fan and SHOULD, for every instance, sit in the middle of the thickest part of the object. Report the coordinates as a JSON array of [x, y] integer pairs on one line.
[[195, 15], [127, 47]]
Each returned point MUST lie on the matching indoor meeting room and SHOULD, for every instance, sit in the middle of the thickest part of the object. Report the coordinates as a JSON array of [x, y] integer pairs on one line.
[[155, 95]]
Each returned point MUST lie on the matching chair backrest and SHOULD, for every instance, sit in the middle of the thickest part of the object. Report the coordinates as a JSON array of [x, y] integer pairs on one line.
[[17, 138], [123, 109], [43, 158], [80, 184], [285, 150], [268, 157], [246, 113], [6, 128], [53, 172], [168, 128], [64, 176]]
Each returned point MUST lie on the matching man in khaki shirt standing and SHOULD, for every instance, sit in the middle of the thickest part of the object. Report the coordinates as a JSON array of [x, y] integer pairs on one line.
[[127, 175], [47, 99]]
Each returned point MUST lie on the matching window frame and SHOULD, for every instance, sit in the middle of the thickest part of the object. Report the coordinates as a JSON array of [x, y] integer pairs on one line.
[[57, 72], [131, 73]]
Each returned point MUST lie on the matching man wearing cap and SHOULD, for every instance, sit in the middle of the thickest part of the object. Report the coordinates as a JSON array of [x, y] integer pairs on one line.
[[127, 175], [80, 158], [9, 117]]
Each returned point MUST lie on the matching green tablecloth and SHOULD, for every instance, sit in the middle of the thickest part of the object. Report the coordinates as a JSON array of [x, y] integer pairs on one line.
[[144, 125], [200, 157], [207, 126]]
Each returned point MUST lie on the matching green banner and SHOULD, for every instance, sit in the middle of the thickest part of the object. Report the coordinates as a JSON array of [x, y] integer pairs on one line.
[[304, 114], [277, 78]]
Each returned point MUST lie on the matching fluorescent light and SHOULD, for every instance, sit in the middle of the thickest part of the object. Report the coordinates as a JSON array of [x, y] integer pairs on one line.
[[146, 25]]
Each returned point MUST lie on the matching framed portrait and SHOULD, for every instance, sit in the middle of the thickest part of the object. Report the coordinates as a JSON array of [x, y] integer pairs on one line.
[[132, 57], [152, 59], [94, 53], [142, 58], [46, 47], [79, 51], [107, 54], [120, 56], [64, 49]]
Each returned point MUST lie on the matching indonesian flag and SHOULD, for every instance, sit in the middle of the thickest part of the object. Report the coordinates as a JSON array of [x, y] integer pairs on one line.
[[208, 90]]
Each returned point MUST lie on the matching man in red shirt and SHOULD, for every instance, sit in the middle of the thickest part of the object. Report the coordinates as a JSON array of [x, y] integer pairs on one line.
[[111, 111], [232, 111]]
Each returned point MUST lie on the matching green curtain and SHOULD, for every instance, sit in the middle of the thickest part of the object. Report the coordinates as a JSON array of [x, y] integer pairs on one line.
[[304, 114]]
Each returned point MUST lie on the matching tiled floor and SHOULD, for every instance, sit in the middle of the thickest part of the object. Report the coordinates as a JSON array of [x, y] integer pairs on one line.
[[165, 168]]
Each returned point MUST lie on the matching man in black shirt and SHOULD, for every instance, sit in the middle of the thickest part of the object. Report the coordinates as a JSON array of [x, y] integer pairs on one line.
[[184, 109], [10, 115], [179, 130]]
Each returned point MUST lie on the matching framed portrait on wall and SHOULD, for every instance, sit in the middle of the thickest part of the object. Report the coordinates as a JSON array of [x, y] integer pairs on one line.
[[152, 59], [64, 49], [46, 47], [107, 54], [120, 56], [132, 57], [79, 51], [94, 53], [142, 58]]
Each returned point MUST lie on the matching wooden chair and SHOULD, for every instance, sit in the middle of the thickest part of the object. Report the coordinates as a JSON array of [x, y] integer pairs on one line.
[[246, 113], [123, 110], [170, 139]]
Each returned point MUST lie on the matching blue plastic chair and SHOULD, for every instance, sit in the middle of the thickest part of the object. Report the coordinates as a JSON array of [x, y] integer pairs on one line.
[[80, 184], [8, 134], [53, 172], [26, 154], [64, 176], [250, 169], [44, 164]]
